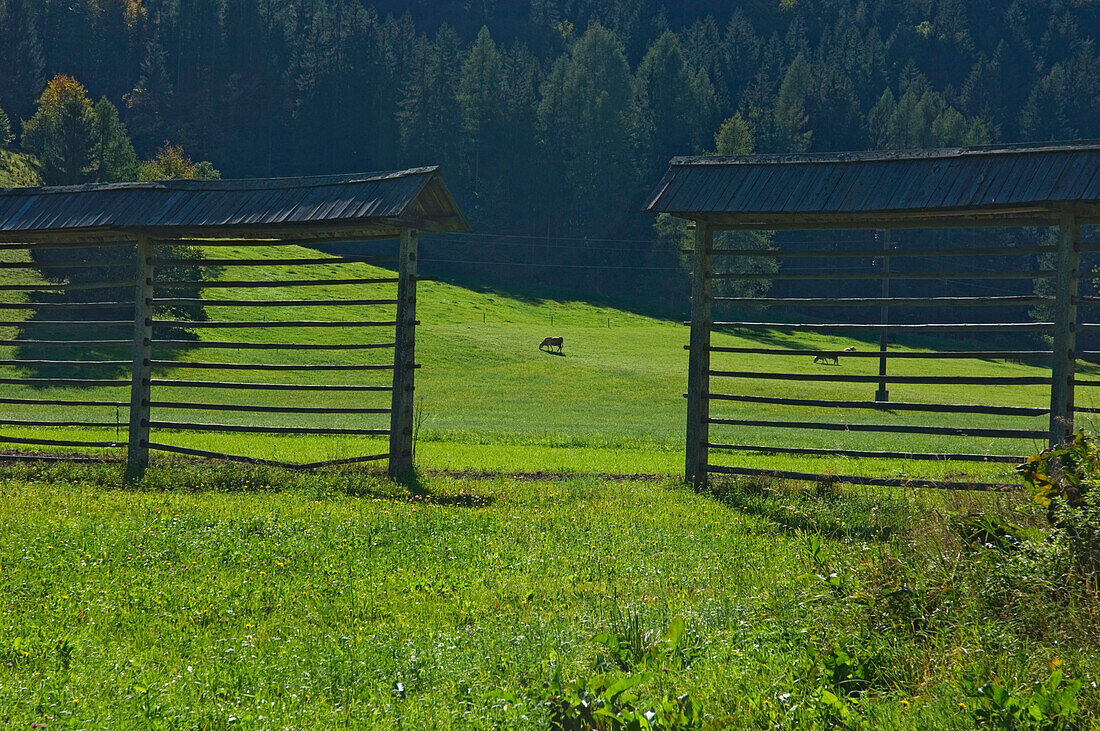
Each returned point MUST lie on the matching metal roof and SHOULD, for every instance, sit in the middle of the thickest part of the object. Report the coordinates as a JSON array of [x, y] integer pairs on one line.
[[1014, 184], [368, 205]]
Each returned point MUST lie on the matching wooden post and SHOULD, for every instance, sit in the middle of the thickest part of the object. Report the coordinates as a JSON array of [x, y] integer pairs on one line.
[[137, 449], [1064, 363], [882, 394], [698, 390], [404, 361]]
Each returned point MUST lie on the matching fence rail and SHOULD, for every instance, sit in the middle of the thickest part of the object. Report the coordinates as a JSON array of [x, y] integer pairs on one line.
[[145, 303], [714, 386]]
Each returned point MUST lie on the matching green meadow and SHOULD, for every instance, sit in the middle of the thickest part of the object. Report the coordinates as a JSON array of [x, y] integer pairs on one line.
[[547, 568], [488, 399], [232, 597]]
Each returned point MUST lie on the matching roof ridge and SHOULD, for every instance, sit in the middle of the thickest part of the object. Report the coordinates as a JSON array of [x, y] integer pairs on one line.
[[1091, 145], [229, 184]]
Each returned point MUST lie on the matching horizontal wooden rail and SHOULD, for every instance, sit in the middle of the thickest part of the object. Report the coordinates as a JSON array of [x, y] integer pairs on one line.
[[263, 386], [67, 245], [860, 480], [189, 426], [233, 241], [214, 324], [890, 428], [69, 323], [62, 402], [74, 457], [269, 346], [891, 355], [841, 378], [64, 382], [847, 276], [67, 343], [1005, 301], [65, 305], [246, 284], [268, 462], [919, 456], [65, 287], [303, 261], [269, 303], [67, 363], [919, 327], [192, 406], [58, 442], [270, 367], [1088, 246], [82, 424], [880, 252], [886, 405], [64, 265]]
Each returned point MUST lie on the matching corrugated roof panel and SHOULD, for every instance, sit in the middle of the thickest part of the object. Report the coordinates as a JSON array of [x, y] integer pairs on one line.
[[198, 205], [1070, 181], [1092, 190], [1024, 172], [1018, 177], [825, 178], [940, 197]]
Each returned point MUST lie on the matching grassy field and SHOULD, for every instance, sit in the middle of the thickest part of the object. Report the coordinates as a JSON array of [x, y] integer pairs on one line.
[[248, 598], [489, 399], [217, 597]]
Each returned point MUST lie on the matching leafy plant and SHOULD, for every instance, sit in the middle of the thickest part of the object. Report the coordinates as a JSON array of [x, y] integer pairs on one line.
[[1048, 704], [632, 647], [990, 531], [1063, 474], [1062, 479], [610, 702]]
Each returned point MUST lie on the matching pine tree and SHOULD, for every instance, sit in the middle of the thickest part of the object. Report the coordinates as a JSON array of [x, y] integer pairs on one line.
[[5, 130], [585, 114], [673, 105], [21, 64], [481, 99], [112, 155], [149, 106], [428, 112], [791, 119]]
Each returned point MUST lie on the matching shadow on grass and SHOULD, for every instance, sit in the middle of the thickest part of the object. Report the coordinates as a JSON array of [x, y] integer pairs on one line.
[[818, 508], [413, 489]]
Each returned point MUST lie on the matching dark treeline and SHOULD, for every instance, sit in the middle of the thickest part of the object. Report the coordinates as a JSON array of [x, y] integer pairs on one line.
[[554, 118]]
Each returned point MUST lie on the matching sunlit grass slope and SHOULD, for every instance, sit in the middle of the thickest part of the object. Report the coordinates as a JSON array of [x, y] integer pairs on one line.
[[250, 598], [488, 398]]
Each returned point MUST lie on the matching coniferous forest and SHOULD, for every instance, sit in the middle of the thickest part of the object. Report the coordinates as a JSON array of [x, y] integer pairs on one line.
[[552, 118]]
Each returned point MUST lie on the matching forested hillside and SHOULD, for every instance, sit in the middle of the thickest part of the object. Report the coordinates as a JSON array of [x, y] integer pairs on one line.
[[554, 118]]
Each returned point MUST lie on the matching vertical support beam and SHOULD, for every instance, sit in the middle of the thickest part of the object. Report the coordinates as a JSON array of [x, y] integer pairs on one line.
[[698, 390], [1064, 362], [404, 361], [882, 394], [137, 449]]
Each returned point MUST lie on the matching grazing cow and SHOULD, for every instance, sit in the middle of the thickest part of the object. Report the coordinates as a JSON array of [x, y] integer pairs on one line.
[[826, 357], [551, 343]]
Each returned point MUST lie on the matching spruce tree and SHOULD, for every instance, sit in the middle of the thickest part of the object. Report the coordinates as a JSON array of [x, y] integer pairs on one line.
[[21, 64]]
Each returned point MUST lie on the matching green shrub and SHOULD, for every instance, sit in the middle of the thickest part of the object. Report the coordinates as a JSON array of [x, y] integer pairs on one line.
[[1062, 480]]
